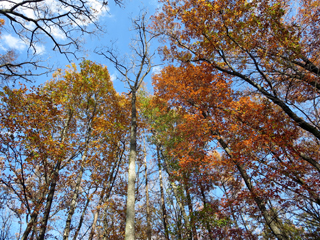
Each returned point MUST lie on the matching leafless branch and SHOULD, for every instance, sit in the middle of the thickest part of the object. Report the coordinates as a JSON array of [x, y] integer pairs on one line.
[[59, 21]]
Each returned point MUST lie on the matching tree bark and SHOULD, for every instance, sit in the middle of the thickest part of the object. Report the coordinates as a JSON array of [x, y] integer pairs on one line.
[[205, 206], [50, 196], [140, 68], [163, 204], [96, 215], [82, 217], [192, 224], [176, 194], [149, 230], [32, 221], [73, 203], [270, 218], [130, 211]]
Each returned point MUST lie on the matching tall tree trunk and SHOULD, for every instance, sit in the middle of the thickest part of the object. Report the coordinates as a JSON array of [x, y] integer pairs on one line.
[[179, 225], [82, 216], [50, 196], [107, 188], [176, 194], [163, 204], [52, 186], [140, 67], [190, 207], [32, 222], [130, 212], [73, 203], [270, 218], [149, 230], [205, 205], [96, 215]]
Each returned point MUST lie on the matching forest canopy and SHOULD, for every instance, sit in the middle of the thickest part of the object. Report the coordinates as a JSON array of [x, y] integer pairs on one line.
[[227, 145]]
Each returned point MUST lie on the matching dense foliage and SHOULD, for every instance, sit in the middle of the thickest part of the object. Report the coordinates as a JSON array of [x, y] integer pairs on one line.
[[227, 146]]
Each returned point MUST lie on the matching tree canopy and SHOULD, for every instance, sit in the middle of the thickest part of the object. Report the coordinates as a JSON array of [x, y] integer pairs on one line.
[[227, 145]]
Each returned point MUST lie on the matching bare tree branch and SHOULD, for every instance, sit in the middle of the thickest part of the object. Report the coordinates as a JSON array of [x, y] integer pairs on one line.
[[60, 21]]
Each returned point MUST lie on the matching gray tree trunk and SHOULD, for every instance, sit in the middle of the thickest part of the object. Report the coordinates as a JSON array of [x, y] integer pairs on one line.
[[50, 196], [139, 68], [163, 204], [270, 218], [130, 212], [149, 230], [82, 216], [73, 203], [176, 194], [190, 207], [205, 205], [32, 222]]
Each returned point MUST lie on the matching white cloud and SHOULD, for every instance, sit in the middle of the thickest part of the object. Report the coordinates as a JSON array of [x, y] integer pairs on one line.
[[97, 10], [24, 9], [56, 32], [55, 8], [40, 49], [156, 69], [13, 42], [113, 77]]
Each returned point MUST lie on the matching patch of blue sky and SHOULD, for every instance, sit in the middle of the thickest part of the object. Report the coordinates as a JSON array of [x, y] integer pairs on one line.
[[116, 23]]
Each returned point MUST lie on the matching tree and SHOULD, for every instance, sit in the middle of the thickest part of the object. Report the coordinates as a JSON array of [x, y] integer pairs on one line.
[[134, 74], [258, 43], [5, 59], [272, 118], [249, 130], [53, 130], [62, 22]]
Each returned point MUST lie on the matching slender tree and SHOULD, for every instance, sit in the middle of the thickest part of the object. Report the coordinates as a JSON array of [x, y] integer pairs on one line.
[[134, 74]]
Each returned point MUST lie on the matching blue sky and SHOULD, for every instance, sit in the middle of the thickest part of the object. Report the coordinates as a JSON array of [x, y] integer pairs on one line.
[[115, 20]]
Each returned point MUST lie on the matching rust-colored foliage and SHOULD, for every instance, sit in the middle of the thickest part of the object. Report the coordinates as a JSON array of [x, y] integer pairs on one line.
[[247, 82], [261, 44], [49, 134]]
